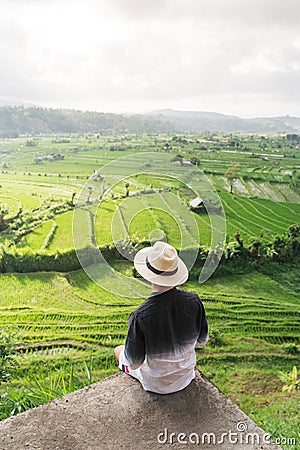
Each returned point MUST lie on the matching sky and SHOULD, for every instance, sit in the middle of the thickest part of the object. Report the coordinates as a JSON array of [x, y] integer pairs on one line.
[[239, 57]]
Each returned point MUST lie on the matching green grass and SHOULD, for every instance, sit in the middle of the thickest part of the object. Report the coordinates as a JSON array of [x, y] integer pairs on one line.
[[26, 184], [63, 236], [63, 319], [11, 203], [252, 216], [28, 202], [137, 217], [103, 221], [256, 389], [247, 304], [36, 238]]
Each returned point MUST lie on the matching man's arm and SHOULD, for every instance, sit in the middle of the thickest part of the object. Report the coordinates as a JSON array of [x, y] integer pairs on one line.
[[203, 335], [135, 343]]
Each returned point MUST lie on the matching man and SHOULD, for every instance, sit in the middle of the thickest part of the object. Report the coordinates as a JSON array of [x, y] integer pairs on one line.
[[163, 331]]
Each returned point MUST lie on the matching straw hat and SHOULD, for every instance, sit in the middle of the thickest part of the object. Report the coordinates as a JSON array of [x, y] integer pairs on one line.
[[161, 265]]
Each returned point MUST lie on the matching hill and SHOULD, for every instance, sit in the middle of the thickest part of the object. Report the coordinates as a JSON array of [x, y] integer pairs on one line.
[[16, 120], [196, 121]]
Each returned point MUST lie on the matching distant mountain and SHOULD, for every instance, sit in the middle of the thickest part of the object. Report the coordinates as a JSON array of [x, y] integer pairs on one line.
[[18, 120], [195, 121], [36, 120]]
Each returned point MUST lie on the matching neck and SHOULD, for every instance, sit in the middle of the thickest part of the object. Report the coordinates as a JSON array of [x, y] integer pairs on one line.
[[157, 288]]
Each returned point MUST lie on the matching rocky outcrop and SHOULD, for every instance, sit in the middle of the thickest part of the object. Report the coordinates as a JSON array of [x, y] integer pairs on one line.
[[117, 413]]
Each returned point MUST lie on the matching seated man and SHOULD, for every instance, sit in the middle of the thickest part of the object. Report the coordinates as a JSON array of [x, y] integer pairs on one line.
[[164, 330]]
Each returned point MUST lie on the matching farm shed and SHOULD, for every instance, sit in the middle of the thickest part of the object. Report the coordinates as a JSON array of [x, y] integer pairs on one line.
[[182, 162], [186, 163], [198, 201], [96, 176]]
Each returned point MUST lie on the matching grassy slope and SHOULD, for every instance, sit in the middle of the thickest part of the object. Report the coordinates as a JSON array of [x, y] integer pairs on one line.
[[150, 212], [249, 216], [65, 318]]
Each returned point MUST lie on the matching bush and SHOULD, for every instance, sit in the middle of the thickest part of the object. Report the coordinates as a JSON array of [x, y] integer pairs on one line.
[[291, 380], [7, 354], [54, 384], [15, 402], [215, 337], [24, 260], [236, 258]]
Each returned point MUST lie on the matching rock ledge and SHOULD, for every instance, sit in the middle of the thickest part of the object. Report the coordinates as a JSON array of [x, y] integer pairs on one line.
[[117, 413]]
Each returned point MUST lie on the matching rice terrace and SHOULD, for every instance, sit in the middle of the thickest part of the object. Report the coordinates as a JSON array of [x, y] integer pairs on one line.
[[58, 327]]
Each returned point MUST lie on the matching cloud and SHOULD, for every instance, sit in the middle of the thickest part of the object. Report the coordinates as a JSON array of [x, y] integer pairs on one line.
[[116, 55], [250, 12]]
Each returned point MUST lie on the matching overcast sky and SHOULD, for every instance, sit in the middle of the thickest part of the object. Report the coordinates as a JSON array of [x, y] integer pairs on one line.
[[238, 57]]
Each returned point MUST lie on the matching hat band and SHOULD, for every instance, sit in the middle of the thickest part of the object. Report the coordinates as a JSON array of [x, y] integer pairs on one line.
[[160, 272]]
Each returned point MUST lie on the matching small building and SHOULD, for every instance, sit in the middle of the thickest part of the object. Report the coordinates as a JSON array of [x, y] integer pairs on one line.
[[196, 202], [186, 163], [96, 176], [182, 162]]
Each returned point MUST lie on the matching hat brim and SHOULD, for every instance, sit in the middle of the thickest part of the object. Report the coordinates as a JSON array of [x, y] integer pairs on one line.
[[178, 278]]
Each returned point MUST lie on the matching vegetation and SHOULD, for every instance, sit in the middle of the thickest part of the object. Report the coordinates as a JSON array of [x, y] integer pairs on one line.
[[68, 325], [232, 175], [7, 358], [17, 120], [291, 380]]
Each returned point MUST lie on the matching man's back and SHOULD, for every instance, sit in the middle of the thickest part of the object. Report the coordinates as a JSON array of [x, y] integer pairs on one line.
[[163, 331], [162, 335]]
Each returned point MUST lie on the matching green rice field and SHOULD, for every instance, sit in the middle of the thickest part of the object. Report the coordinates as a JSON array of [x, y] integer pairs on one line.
[[65, 320]]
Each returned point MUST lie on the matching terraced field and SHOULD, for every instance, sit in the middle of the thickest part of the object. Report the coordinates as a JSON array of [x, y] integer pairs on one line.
[[264, 197], [270, 190], [37, 239], [138, 217], [66, 319], [252, 216], [52, 308]]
